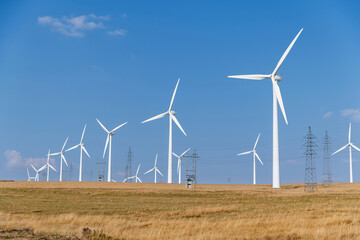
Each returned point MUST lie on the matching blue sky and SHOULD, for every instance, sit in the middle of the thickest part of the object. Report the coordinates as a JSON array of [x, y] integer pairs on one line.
[[66, 63]]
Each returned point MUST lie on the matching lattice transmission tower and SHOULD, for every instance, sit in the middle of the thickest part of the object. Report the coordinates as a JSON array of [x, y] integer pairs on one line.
[[310, 146], [128, 165], [327, 175]]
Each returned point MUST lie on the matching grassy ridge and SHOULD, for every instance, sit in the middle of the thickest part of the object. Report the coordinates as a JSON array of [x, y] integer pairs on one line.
[[163, 211]]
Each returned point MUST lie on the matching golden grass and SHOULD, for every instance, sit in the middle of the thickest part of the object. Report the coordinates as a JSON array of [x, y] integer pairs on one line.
[[168, 211]]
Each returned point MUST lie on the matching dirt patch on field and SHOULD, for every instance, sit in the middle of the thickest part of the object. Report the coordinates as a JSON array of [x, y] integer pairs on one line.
[[28, 233]]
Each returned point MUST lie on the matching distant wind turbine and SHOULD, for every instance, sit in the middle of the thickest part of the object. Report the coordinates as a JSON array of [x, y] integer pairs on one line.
[[108, 142], [155, 169], [275, 78], [82, 148], [136, 176], [38, 171], [179, 163], [28, 175], [172, 117], [62, 158], [350, 145], [48, 166], [255, 155]]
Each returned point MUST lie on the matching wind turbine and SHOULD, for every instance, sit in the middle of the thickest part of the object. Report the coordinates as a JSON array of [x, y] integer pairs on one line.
[[109, 141], [136, 176], [82, 148], [155, 169], [350, 145], [275, 78], [172, 117], [62, 158], [30, 178], [38, 171], [48, 166], [179, 163], [255, 155]]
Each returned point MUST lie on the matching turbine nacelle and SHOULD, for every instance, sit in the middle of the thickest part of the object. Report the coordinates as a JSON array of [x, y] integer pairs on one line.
[[278, 78], [172, 112]]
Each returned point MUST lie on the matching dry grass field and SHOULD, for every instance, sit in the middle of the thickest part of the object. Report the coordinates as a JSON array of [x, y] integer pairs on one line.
[[164, 211]]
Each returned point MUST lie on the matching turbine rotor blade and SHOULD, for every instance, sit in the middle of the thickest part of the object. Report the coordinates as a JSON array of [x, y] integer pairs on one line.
[[83, 148], [52, 168], [156, 117], [258, 158], [340, 149], [102, 126], [279, 98], [76, 146], [106, 144], [42, 168], [185, 152], [244, 153], [173, 96], [251, 76], [159, 172], [137, 171], [177, 123], [54, 154], [256, 141], [149, 171], [350, 133], [286, 53], [33, 167], [355, 147], [138, 179], [175, 155], [64, 144], [82, 135], [63, 157], [118, 127], [178, 165]]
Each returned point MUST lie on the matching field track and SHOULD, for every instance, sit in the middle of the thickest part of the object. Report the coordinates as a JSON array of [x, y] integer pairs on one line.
[[169, 211]]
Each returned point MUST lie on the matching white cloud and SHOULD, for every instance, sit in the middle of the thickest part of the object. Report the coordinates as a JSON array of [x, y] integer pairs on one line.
[[353, 114], [119, 32], [105, 18], [14, 159], [74, 26], [327, 115]]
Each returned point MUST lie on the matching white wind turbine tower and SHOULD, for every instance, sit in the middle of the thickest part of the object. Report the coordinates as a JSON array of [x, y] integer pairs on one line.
[[109, 141], [37, 172], [350, 145], [172, 117], [155, 169], [179, 163], [255, 155], [136, 176], [82, 148], [48, 166], [62, 158], [28, 175], [275, 78]]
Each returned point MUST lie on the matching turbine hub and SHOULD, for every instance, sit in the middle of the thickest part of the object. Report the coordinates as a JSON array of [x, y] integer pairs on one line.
[[278, 78], [172, 112]]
